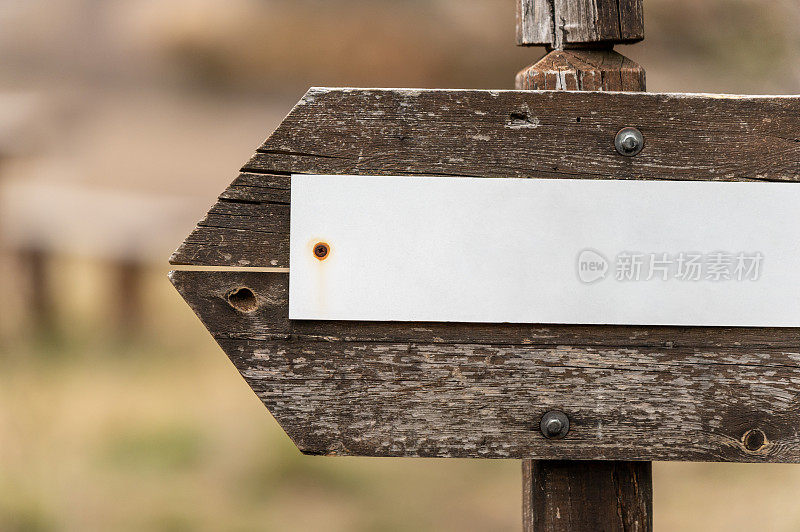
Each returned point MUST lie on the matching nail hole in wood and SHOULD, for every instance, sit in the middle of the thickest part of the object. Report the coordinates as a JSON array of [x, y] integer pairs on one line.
[[521, 120], [243, 299], [754, 440]]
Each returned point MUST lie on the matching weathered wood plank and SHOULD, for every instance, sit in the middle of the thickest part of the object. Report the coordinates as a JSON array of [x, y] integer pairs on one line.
[[337, 394], [491, 134], [535, 134], [259, 188], [564, 23], [272, 320], [252, 215]]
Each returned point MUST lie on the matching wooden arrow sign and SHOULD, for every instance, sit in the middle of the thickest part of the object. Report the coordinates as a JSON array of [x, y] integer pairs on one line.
[[457, 389]]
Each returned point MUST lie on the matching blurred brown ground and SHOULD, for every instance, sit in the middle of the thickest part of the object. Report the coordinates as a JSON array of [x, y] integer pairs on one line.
[[119, 124]]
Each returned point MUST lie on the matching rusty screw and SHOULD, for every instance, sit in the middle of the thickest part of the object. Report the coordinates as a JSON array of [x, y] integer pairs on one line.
[[321, 250], [554, 425], [629, 142]]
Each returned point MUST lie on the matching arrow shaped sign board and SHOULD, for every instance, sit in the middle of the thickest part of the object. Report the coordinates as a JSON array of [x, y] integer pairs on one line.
[[427, 273]]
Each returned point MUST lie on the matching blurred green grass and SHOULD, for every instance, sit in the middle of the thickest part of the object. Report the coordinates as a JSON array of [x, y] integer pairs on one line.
[[99, 434]]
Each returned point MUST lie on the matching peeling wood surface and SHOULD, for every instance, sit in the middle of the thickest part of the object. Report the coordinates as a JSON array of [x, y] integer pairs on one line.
[[490, 134], [420, 390], [565, 23]]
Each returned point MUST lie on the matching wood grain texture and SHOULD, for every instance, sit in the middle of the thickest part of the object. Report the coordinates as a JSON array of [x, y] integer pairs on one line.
[[583, 70], [248, 226], [526, 134], [535, 22], [561, 24], [415, 390], [564, 496]]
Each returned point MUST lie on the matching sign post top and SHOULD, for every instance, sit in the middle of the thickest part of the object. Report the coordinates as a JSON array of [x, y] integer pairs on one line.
[[560, 24]]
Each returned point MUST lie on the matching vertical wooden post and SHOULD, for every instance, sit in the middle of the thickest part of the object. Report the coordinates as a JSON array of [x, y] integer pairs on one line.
[[578, 496], [580, 36]]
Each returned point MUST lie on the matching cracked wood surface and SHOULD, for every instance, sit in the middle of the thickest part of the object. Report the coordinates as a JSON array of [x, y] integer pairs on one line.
[[384, 389], [560, 24], [583, 70], [524, 134]]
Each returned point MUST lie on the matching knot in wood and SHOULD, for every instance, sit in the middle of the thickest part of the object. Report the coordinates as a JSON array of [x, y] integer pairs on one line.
[[243, 300], [754, 440]]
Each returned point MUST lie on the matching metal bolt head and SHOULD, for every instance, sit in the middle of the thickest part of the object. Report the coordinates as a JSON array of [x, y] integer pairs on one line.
[[554, 425], [629, 142], [321, 250]]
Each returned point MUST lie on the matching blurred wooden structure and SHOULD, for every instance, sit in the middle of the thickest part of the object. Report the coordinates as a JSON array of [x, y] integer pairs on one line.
[[124, 231], [19, 121]]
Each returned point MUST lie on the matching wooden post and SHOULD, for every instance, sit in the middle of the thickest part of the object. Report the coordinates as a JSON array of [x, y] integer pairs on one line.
[[580, 35], [569, 495]]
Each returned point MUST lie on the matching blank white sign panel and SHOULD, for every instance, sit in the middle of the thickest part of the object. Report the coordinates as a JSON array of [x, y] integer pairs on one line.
[[437, 249]]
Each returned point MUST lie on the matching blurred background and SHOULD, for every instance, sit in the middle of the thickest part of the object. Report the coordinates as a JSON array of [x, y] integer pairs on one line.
[[120, 122]]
